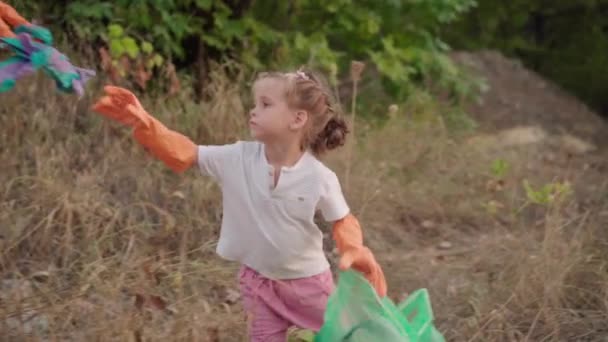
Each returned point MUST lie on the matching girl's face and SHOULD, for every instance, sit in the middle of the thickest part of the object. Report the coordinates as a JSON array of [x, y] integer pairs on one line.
[[271, 119]]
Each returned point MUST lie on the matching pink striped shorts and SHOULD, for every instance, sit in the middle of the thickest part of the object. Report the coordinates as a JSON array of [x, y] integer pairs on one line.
[[273, 306]]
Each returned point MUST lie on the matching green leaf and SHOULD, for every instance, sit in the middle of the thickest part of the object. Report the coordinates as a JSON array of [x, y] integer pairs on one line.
[[115, 31], [204, 4], [499, 168], [116, 48], [301, 42], [130, 46], [158, 60], [150, 64], [146, 47], [96, 10], [260, 30], [251, 59], [373, 26], [233, 28], [214, 41], [542, 196]]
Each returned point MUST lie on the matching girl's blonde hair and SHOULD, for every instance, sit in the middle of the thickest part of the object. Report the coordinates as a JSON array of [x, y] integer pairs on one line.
[[306, 90]]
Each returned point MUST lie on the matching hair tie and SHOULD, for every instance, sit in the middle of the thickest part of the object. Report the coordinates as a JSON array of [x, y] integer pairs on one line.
[[302, 75]]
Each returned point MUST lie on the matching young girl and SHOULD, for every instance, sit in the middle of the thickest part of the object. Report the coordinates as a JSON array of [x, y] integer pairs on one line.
[[271, 188]]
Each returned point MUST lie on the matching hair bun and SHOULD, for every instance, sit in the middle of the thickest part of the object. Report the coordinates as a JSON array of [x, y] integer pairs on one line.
[[334, 133]]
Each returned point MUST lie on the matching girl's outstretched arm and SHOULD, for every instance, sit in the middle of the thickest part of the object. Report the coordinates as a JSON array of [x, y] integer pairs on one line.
[[177, 151], [9, 18], [353, 254]]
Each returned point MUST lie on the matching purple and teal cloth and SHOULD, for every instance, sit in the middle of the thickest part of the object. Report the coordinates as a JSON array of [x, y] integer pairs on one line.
[[33, 51]]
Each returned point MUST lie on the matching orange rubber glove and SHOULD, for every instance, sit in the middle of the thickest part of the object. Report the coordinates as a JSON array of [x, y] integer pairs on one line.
[[9, 18], [349, 241], [177, 151]]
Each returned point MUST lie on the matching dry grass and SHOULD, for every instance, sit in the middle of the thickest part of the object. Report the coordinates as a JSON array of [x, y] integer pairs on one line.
[[101, 242]]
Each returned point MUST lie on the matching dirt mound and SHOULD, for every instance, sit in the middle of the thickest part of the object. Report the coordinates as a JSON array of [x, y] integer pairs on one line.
[[520, 97]]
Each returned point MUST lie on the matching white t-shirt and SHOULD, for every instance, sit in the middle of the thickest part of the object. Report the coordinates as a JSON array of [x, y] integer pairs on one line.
[[272, 230]]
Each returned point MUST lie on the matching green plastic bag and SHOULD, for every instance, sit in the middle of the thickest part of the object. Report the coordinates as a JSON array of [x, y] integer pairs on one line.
[[355, 313]]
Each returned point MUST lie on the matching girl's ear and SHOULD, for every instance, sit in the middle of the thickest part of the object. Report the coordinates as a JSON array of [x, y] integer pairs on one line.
[[299, 120]]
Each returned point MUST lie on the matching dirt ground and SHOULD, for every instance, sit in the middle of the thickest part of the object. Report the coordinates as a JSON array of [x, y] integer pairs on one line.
[[520, 97]]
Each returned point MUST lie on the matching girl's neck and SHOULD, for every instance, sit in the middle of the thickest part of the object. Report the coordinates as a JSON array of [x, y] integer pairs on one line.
[[283, 154]]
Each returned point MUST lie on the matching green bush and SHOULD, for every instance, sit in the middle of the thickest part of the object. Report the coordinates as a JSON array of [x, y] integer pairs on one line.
[[400, 37]]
